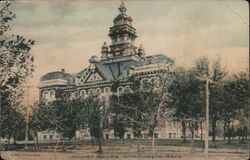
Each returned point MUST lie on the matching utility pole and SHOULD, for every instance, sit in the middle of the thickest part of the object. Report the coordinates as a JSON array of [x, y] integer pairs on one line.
[[207, 118], [207, 114], [27, 119], [0, 124]]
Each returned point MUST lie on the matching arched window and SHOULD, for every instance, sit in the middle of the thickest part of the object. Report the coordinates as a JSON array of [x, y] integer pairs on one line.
[[98, 91], [127, 89], [91, 91], [120, 90], [82, 93], [106, 89], [52, 94], [45, 95], [64, 96]]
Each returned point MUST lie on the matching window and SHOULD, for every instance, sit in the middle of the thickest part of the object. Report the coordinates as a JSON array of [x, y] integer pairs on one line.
[[174, 123], [83, 93], [52, 94], [128, 136], [127, 89], [44, 136], [45, 95], [98, 91], [64, 96], [120, 90], [72, 95], [50, 136], [106, 89], [170, 135], [91, 91], [156, 135], [107, 136], [174, 134]]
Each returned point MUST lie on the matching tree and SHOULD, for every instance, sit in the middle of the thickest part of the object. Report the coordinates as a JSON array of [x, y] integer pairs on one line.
[[43, 118], [120, 121], [140, 106], [12, 124], [16, 61], [96, 114], [235, 100], [185, 103]]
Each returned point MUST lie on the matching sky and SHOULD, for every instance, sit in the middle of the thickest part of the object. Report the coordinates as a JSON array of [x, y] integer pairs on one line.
[[68, 33]]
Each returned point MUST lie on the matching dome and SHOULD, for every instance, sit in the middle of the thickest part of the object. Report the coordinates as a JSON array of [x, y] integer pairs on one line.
[[55, 75]]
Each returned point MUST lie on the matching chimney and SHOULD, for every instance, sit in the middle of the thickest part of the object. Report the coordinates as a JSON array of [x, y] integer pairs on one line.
[[63, 70]]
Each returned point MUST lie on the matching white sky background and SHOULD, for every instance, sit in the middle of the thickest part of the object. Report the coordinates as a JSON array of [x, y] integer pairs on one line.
[[67, 33]]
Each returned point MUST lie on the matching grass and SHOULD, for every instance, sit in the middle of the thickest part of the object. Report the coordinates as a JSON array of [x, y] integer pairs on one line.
[[219, 144]]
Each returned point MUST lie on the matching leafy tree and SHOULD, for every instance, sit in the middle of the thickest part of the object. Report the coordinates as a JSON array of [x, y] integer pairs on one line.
[[16, 64], [185, 103], [120, 121], [235, 100], [43, 118], [13, 124], [139, 107], [16, 60], [96, 115]]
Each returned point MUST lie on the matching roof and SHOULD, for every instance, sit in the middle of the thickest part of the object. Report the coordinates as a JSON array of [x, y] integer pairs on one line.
[[82, 72], [55, 75], [111, 71], [155, 59], [105, 70], [159, 58]]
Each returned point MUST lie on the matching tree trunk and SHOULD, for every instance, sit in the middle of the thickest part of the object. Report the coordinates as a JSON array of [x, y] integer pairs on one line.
[[37, 141], [229, 133], [123, 140], [184, 131], [232, 131], [153, 142], [213, 131], [92, 141], [201, 127], [224, 128], [8, 144], [100, 145], [14, 138], [57, 141], [139, 147], [63, 146], [191, 127], [244, 134]]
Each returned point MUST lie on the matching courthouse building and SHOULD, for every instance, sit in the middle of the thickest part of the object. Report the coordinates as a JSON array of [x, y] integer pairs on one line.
[[110, 74]]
